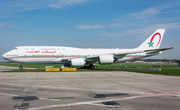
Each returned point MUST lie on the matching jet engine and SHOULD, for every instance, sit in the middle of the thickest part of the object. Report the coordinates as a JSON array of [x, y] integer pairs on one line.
[[77, 62], [106, 59]]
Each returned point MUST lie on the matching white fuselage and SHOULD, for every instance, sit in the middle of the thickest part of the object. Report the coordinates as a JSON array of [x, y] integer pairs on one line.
[[56, 54], [70, 56]]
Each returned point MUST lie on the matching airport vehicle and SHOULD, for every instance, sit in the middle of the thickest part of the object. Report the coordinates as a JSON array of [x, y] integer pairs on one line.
[[85, 58]]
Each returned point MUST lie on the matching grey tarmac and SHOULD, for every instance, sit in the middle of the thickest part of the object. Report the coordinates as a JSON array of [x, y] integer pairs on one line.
[[117, 90]]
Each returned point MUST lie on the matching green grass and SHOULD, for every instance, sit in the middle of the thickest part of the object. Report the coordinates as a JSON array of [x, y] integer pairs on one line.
[[31, 65], [135, 65], [170, 69], [122, 65], [42, 70], [175, 72]]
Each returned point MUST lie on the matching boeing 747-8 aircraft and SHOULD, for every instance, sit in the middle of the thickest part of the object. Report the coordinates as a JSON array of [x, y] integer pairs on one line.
[[70, 56]]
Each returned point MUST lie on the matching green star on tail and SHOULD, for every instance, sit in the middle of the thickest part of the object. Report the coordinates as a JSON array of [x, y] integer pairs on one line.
[[150, 44]]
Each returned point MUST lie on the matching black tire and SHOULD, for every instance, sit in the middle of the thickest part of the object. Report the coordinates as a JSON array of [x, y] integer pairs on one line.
[[20, 68], [95, 67]]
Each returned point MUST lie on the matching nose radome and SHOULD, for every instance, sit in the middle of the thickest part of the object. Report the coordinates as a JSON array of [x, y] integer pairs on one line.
[[4, 56]]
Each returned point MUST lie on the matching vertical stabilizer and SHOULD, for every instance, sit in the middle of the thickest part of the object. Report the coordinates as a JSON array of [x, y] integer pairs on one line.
[[154, 41]]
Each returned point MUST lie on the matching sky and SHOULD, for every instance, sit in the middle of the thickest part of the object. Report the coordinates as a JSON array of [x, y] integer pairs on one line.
[[89, 23]]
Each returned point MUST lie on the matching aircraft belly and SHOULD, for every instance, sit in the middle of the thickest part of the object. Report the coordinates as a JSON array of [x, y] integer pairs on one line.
[[17, 60]]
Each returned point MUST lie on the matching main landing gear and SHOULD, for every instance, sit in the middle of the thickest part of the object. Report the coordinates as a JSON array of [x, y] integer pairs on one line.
[[20, 67], [90, 66]]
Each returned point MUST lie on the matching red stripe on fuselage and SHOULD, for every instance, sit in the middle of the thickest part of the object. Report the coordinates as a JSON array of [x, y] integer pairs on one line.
[[44, 57]]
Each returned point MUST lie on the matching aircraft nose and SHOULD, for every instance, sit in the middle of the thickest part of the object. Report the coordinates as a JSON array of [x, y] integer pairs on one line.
[[4, 56]]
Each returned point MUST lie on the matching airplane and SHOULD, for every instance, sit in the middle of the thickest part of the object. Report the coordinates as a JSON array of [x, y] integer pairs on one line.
[[84, 58]]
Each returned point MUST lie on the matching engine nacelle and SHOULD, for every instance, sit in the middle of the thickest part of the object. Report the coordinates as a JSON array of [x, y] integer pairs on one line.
[[106, 59], [77, 62]]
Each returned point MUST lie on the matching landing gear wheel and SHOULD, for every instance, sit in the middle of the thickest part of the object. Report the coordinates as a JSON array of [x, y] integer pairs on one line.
[[92, 66], [20, 68]]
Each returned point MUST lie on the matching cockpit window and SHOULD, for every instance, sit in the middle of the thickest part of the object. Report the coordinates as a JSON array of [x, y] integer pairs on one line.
[[15, 48]]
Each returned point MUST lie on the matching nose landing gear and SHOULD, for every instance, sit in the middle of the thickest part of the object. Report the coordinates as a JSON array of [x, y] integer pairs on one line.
[[20, 67]]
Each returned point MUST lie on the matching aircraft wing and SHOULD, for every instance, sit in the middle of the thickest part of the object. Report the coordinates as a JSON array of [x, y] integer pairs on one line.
[[140, 51], [116, 54], [123, 54], [119, 55], [65, 60], [157, 50], [94, 58], [128, 52]]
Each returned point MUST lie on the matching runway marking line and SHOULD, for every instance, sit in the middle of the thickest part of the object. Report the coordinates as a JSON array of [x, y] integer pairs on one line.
[[99, 101], [103, 105], [49, 99], [8, 94]]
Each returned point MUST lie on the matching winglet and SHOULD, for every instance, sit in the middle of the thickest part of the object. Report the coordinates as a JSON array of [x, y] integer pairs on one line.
[[154, 41]]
